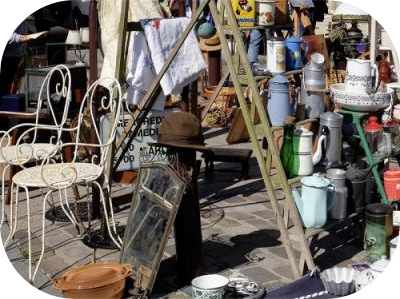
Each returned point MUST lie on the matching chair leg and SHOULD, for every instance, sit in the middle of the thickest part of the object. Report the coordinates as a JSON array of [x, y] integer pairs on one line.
[[28, 215], [3, 197], [69, 215], [32, 276], [119, 242], [12, 222]]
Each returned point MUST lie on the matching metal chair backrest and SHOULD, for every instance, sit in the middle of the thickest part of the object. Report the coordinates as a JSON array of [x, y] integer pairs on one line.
[[103, 97]]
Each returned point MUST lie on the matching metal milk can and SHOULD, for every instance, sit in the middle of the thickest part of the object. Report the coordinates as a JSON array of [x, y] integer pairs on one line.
[[276, 55], [313, 86], [337, 193], [331, 125], [294, 59], [279, 106]]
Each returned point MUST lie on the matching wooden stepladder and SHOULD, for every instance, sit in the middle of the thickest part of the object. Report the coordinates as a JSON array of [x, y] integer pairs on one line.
[[285, 210]]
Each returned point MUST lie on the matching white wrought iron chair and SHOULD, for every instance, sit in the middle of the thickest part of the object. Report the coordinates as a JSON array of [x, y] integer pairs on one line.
[[53, 104], [58, 176]]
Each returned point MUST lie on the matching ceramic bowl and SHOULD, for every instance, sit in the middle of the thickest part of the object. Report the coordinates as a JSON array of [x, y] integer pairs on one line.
[[360, 102], [211, 286], [339, 281]]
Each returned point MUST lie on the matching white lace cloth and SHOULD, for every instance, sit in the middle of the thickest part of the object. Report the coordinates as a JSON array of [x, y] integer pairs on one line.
[[162, 35]]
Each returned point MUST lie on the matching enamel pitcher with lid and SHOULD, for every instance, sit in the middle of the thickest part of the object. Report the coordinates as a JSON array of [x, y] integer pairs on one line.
[[301, 161]]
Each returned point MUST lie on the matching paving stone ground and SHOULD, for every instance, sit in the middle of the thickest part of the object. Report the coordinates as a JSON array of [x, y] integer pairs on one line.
[[240, 236]]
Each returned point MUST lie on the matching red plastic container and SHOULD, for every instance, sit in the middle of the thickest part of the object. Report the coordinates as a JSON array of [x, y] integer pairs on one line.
[[392, 183]]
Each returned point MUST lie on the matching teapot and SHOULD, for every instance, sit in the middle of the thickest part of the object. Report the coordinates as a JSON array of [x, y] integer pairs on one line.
[[312, 202], [367, 276], [301, 161]]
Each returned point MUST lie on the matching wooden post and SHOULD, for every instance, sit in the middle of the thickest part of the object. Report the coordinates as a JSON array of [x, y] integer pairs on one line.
[[92, 42], [188, 238]]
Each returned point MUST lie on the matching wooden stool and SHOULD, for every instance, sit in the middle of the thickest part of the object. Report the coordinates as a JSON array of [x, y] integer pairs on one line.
[[227, 155]]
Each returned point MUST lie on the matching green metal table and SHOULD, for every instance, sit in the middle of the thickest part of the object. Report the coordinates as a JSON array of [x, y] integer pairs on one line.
[[356, 119]]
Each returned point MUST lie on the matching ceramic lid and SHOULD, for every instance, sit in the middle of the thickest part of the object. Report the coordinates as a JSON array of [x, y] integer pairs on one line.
[[315, 181], [92, 276], [294, 39], [279, 79]]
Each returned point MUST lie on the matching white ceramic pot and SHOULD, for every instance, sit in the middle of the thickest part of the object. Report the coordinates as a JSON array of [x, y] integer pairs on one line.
[[359, 74]]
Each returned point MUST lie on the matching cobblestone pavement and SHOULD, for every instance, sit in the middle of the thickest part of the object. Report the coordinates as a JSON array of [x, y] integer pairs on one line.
[[238, 227]]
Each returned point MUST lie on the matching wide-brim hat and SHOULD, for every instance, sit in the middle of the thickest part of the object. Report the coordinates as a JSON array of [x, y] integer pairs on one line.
[[211, 44], [181, 130]]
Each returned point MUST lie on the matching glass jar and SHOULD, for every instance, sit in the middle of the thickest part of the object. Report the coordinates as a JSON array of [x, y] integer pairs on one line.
[[374, 134], [378, 230]]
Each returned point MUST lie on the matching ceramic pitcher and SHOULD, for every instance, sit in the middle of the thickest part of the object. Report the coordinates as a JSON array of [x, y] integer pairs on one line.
[[359, 76]]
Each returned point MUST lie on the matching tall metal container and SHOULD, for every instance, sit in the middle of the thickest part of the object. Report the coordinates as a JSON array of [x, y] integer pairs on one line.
[[276, 55], [331, 124], [313, 86]]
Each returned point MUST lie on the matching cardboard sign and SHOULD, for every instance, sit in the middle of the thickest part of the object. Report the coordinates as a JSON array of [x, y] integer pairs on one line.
[[147, 133], [244, 12]]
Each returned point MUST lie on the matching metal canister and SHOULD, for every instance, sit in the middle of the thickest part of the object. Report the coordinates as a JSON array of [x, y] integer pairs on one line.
[[337, 195], [276, 55], [331, 125], [313, 86]]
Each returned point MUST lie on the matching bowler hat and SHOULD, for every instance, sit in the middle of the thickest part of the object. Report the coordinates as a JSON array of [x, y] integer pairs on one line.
[[181, 130]]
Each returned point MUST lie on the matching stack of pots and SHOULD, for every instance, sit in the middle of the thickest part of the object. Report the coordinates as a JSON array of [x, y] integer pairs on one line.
[[313, 86]]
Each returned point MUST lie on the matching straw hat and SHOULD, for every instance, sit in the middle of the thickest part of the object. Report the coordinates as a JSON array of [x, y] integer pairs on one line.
[[211, 44], [181, 130]]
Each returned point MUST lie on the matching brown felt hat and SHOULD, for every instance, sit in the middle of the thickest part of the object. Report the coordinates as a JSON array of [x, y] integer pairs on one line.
[[181, 130], [211, 44]]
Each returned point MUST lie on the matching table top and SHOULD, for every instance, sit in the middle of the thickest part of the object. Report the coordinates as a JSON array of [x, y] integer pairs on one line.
[[22, 115]]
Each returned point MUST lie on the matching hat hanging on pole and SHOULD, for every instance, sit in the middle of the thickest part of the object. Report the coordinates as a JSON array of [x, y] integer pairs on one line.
[[211, 44], [181, 130]]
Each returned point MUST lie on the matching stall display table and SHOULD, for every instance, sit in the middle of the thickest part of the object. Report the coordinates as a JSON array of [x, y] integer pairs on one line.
[[356, 119]]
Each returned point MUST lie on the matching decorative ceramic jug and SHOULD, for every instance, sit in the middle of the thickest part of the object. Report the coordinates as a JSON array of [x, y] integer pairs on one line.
[[359, 75], [301, 160], [294, 59], [312, 202], [279, 106], [313, 86]]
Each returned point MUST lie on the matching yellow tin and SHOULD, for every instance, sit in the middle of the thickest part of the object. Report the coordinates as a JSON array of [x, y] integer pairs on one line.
[[244, 11]]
